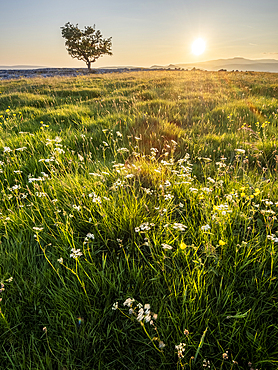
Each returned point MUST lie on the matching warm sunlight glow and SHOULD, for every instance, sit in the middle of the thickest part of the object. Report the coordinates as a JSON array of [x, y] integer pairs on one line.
[[198, 46]]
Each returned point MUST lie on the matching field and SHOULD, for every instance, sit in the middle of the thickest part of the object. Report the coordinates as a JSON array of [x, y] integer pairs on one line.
[[139, 221]]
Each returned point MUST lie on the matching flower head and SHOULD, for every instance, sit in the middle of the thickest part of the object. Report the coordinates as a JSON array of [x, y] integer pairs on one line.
[[205, 227], [75, 253], [115, 306], [128, 302]]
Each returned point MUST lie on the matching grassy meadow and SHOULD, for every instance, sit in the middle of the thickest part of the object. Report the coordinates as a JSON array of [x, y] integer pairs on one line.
[[138, 220]]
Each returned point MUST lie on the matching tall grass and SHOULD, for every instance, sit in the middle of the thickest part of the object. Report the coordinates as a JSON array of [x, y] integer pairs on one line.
[[138, 221]]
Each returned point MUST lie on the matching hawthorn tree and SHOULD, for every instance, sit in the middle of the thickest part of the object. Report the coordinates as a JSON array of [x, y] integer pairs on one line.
[[86, 45]]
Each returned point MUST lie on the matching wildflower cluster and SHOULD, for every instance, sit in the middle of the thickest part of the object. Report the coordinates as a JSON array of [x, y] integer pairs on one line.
[[2, 288], [95, 198], [143, 314], [180, 348], [178, 226], [273, 238], [88, 237], [205, 227], [145, 226], [75, 253]]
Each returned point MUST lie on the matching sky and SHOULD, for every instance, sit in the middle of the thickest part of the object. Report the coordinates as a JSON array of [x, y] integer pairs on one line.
[[144, 32]]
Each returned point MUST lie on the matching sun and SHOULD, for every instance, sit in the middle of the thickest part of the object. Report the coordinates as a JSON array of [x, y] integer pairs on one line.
[[198, 46]]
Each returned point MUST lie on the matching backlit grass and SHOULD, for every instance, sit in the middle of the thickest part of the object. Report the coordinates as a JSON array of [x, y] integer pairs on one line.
[[138, 221]]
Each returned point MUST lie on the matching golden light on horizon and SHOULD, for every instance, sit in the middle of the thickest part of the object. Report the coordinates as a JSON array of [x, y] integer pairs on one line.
[[198, 46]]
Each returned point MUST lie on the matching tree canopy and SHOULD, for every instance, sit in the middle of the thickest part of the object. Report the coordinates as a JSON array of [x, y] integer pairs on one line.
[[86, 45]]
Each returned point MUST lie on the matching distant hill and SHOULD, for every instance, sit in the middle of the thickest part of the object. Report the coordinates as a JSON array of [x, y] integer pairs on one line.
[[25, 67], [237, 63], [21, 67]]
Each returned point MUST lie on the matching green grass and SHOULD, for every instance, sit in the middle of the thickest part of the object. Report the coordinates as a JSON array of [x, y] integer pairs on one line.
[[166, 183]]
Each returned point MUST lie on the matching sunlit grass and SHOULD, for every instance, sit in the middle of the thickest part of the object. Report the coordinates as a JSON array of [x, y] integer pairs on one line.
[[138, 221]]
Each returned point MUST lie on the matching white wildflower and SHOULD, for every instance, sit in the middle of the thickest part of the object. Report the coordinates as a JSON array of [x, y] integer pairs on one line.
[[148, 191], [179, 227], [273, 238], [144, 227], [15, 187], [75, 253], [211, 180], [180, 348], [95, 199], [194, 190], [208, 190], [115, 306], [40, 194], [95, 174], [59, 150], [140, 315], [267, 202], [205, 227], [32, 179], [128, 302], [168, 196], [122, 150], [166, 246], [78, 208], [80, 157]]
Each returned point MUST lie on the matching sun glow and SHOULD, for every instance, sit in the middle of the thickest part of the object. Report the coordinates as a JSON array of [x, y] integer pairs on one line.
[[198, 47]]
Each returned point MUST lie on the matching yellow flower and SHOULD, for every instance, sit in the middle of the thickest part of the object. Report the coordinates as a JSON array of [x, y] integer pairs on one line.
[[242, 195], [182, 245], [242, 188], [257, 192], [221, 242]]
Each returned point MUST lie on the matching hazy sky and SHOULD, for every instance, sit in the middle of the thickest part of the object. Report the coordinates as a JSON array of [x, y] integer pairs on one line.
[[144, 32]]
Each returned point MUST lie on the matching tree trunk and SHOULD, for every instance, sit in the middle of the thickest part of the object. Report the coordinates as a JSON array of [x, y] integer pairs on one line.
[[89, 66]]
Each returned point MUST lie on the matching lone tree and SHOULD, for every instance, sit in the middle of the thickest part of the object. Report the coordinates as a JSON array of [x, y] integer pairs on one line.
[[87, 45]]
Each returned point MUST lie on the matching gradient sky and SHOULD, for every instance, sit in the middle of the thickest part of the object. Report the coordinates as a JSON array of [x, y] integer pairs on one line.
[[144, 32]]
